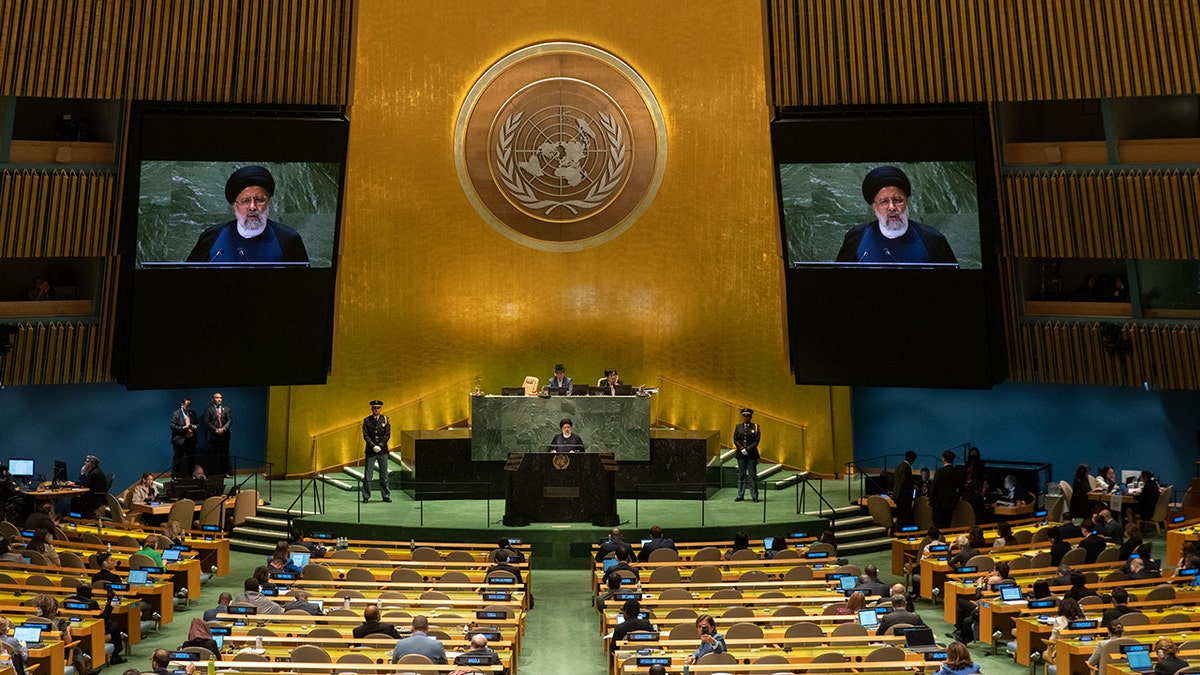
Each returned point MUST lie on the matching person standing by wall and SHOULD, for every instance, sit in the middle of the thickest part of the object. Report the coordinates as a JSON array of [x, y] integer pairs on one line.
[[183, 438], [377, 431], [218, 419], [745, 440]]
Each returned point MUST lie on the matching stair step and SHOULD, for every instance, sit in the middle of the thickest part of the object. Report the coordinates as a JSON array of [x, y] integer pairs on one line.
[[786, 481], [332, 479], [280, 514], [841, 512], [268, 521], [864, 546], [249, 546], [260, 533], [769, 471], [859, 533], [728, 454]]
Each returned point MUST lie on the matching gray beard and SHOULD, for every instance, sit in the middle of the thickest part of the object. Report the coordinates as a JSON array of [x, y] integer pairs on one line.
[[895, 227], [252, 227]]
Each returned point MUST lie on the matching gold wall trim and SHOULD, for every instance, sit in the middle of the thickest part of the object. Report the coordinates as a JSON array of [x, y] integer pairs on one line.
[[1103, 214], [838, 52], [1074, 353], [57, 213], [251, 51]]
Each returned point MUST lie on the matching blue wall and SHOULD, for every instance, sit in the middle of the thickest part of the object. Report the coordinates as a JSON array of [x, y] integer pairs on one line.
[[129, 431], [1057, 424]]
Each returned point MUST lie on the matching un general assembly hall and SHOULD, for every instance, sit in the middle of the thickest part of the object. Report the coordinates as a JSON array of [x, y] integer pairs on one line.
[[329, 276]]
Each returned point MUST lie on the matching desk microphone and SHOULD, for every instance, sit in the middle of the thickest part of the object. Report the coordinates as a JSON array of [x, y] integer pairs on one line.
[[242, 254], [218, 255], [864, 255]]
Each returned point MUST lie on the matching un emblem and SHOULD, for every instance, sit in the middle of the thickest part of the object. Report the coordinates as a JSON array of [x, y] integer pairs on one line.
[[560, 146]]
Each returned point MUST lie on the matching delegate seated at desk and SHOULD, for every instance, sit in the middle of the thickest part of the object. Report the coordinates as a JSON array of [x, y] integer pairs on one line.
[[566, 440], [607, 386]]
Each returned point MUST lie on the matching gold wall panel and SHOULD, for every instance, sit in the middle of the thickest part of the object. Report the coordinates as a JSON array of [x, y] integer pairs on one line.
[[1162, 357], [836, 52], [57, 213], [260, 51], [430, 295]]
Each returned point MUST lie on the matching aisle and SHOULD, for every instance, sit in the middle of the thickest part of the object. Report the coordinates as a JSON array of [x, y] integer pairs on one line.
[[562, 631]]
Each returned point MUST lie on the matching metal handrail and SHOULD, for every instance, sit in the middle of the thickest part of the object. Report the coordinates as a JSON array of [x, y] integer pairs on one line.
[[318, 499], [253, 462], [802, 491]]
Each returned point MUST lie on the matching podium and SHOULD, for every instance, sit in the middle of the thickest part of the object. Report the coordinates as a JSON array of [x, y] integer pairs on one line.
[[561, 488]]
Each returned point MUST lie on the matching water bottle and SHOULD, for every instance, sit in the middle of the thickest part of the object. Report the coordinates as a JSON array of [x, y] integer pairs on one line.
[[212, 667], [346, 604], [258, 642], [412, 545], [108, 546]]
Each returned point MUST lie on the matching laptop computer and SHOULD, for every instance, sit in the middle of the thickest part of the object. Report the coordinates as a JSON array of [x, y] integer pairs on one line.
[[847, 582], [170, 555], [1011, 595], [31, 635], [139, 577], [1139, 660], [300, 559], [919, 639], [868, 618]]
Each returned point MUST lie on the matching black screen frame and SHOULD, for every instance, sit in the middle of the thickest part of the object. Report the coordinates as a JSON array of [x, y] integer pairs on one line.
[[883, 325], [212, 325]]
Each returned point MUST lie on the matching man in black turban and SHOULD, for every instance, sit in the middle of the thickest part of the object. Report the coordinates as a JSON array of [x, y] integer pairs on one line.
[[251, 237], [893, 238]]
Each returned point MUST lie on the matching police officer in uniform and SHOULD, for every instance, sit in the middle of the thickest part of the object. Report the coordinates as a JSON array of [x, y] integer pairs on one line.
[[745, 440], [377, 431]]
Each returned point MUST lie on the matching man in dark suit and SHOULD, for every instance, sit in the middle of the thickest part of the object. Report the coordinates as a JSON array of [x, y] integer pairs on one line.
[[869, 583], [1093, 543], [902, 489], [899, 614], [377, 432], [1068, 529], [945, 491], [657, 541], [1120, 601], [560, 379], [615, 545], [183, 439], [745, 441], [218, 419], [500, 562], [371, 625]]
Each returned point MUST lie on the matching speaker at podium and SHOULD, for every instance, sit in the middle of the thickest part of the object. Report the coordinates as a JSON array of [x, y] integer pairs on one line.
[[561, 488]]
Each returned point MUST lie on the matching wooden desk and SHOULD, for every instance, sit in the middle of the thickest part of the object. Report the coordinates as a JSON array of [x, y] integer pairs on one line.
[[52, 493], [1015, 511]]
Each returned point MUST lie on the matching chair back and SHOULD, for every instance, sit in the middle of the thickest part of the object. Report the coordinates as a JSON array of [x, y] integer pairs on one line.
[[374, 553], [212, 511], [799, 573], [204, 652], [401, 574], [665, 575], [886, 654], [316, 572], [706, 574], [426, 554], [983, 562], [245, 506], [880, 511], [1111, 647], [310, 654], [183, 512], [804, 629], [344, 554], [746, 631], [708, 553], [963, 516], [359, 574], [923, 512], [849, 630], [460, 556], [1162, 592], [663, 555], [138, 560]]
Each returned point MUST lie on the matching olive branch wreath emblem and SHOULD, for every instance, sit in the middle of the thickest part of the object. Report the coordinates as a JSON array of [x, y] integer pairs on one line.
[[510, 174]]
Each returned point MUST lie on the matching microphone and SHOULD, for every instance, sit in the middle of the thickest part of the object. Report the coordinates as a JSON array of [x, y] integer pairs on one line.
[[242, 254], [218, 255], [888, 253], [864, 255]]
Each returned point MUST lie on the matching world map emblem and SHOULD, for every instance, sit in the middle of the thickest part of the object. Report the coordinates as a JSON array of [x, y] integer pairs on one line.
[[560, 146]]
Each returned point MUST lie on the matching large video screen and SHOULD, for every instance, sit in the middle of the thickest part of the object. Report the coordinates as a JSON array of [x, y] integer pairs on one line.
[[230, 227], [888, 218]]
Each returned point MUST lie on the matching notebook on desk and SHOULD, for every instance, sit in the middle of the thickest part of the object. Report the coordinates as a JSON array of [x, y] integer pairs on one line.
[[1011, 595]]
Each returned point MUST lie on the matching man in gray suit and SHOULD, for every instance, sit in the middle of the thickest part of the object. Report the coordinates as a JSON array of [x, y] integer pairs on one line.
[[420, 643]]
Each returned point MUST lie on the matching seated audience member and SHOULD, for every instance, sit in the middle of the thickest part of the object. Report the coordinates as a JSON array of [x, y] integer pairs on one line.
[[83, 594], [151, 552], [1137, 568], [613, 584], [1106, 481], [1078, 589], [1067, 529], [301, 602], [1108, 527], [657, 541], [1058, 547], [199, 635], [1040, 590], [1148, 497], [41, 543], [958, 661], [1120, 602], [630, 622], [1189, 555], [616, 546], [1133, 539], [1092, 542], [898, 589], [619, 570], [262, 574], [740, 542], [251, 595], [198, 473], [42, 518], [869, 583], [970, 548], [856, 601], [1064, 576], [1168, 657], [371, 624], [480, 649], [145, 491], [1010, 494], [501, 563], [174, 532], [160, 662], [280, 561], [514, 555], [711, 641], [1068, 611], [1000, 574], [92, 477], [935, 539], [223, 602], [899, 614], [1114, 631], [778, 543], [420, 643], [105, 573], [19, 652], [9, 555], [1004, 535]]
